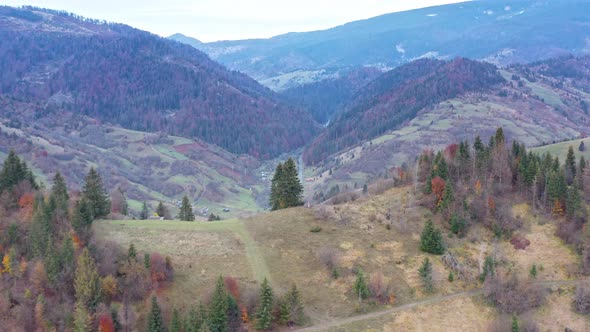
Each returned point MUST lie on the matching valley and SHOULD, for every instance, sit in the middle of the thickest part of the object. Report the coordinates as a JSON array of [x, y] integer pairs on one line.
[[424, 170]]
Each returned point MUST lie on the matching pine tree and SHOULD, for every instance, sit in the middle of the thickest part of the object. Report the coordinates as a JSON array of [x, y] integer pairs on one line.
[[582, 164], [515, 327], [176, 323], [448, 196], [295, 306], [360, 288], [96, 195], [131, 253], [499, 138], [14, 171], [286, 189], [582, 147], [40, 228], [489, 268], [52, 262], [570, 161], [186, 210], [431, 239], [218, 308], [59, 193], [193, 322], [264, 311], [87, 280], [143, 215], [425, 273], [573, 203], [275, 188], [67, 257], [82, 218], [147, 262], [162, 211], [82, 319], [155, 322]]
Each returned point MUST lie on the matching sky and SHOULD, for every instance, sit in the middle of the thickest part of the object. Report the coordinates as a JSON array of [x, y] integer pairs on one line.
[[211, 20]]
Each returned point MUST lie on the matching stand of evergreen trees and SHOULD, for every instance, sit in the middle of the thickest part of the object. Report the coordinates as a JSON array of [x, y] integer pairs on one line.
[[286, 189]]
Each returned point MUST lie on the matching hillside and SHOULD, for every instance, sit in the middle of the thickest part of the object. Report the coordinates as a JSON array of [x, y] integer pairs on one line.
[[325, 98], [120, 75], [324, 249], [497, 31], [396, 97], [532, 105]]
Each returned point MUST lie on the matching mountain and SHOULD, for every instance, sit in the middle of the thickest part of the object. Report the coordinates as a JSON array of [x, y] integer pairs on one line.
[[324, 98], [397, 96], [194, 42], [428, 103], [124, 76], [499, 31]]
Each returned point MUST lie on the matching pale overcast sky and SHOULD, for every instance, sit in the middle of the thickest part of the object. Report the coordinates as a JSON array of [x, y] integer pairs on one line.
[[210, 20]]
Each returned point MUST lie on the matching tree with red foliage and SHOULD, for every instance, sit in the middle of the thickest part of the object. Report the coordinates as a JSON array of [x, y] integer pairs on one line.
[[438, 188], [105, 323], [451, 151], [160, 269], [231, 284]]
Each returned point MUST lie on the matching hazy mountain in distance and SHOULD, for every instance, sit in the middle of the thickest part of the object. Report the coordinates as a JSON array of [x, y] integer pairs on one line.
[[501, 32]]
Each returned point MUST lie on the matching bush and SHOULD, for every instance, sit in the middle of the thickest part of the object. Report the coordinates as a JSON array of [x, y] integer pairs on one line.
[[582, 299], [330, 257], [316, 229], [513, 296]]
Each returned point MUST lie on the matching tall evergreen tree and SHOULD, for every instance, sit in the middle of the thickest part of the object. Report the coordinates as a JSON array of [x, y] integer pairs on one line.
[[570, 161], [87, 280], [96, 195], [286, 189], [40, 228], [425, 273], [431, 239], [82, 218], [14, 171], [143, 215], [294, 306], [360, 288], [264, 311], [155, 321], [162, 211], [448, 196], [52, 262], [176, 323], [218, 308], [59, 194], [186, 210]]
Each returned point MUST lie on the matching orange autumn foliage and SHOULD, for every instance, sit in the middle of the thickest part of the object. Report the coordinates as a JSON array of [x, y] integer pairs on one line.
[[558, 208], [438, 188], [245, 318], [105, 323], [478, 187], [26, 204], [232, 287], [491, 205], [78, 244]]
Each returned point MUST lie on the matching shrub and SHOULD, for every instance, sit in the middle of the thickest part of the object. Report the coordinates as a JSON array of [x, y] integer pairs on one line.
[[519, 242], [582, 299], [513, 296], [316, 229], [329, 256]]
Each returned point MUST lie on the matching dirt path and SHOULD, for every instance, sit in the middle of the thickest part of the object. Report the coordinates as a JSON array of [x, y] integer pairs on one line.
[[433, 300]]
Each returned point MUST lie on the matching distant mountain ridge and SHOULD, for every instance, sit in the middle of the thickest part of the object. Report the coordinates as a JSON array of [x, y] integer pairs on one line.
[[132, 78], [501, 32]]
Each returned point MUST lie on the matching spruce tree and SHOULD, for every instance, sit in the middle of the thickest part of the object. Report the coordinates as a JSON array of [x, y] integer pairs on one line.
[[265, 307], [68, 259], [431, 239], [59, 193], [218, 307], [425, 273], [96, 195], [573, 205], [82, 218], [582, 147], [489, 268], [40, 228], [360, 288], [143, 215], [570, 161], [196, 319], [448, 196], [275, 188], [52, 262], [176, 323], [87, 280], [131, 253], [162, 211], [155, 321], [295, 306], [186, 210], [515, 327]]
